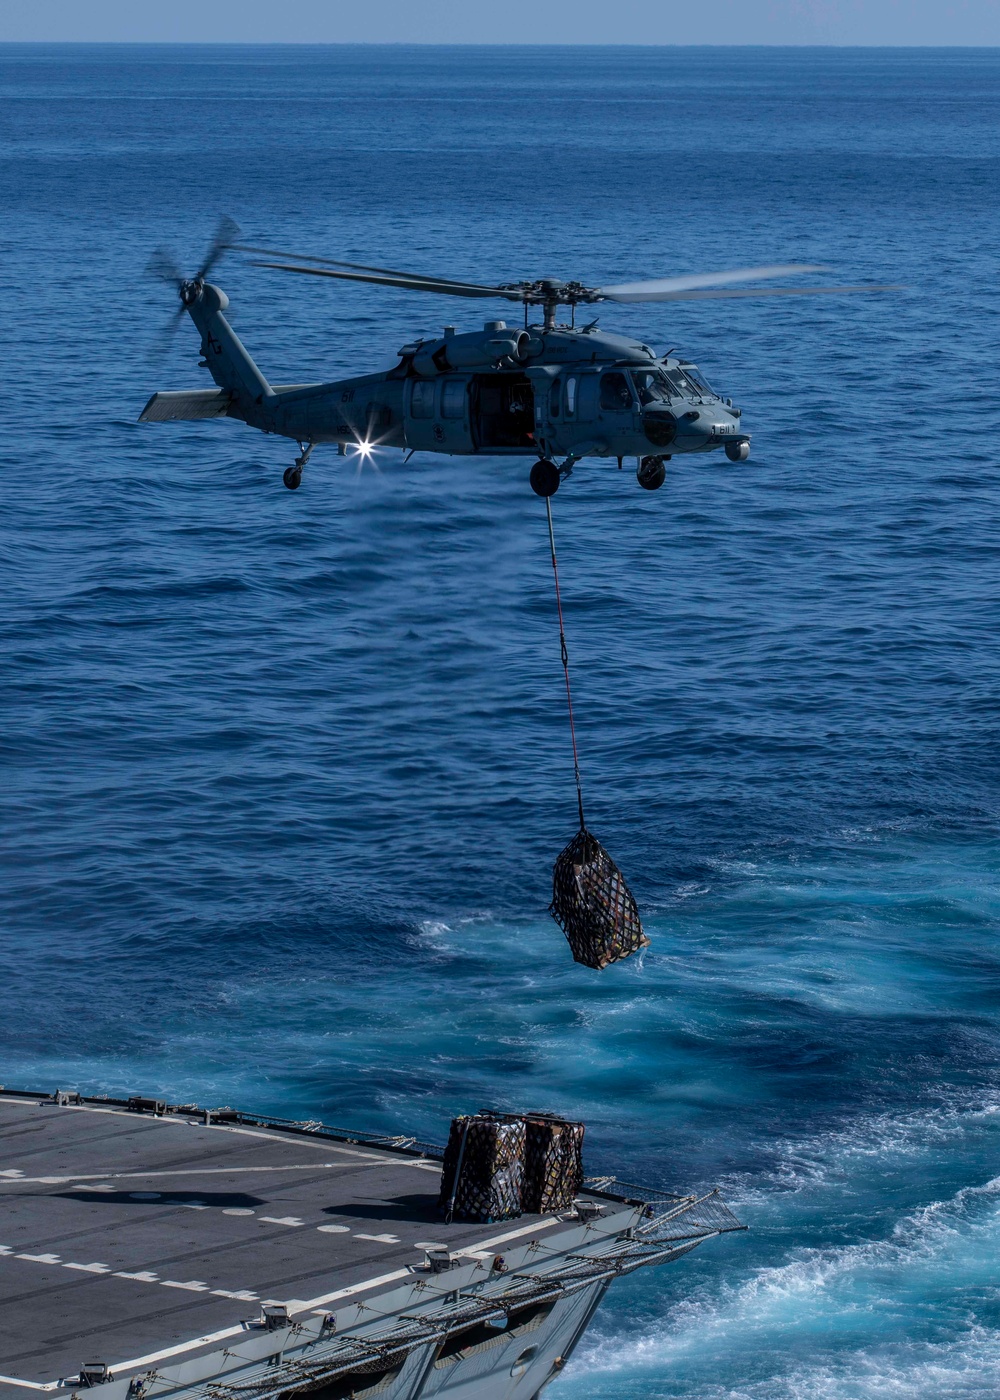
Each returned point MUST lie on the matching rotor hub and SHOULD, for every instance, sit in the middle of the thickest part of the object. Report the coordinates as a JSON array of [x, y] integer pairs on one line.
[[546, 291]]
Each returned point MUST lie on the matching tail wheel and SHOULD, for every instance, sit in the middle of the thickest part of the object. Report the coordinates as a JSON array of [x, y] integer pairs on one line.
[[651, 473], [544, 478], [292, 478]]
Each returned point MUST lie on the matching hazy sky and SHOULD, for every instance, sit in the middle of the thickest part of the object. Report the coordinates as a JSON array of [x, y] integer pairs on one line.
[[972, 22]]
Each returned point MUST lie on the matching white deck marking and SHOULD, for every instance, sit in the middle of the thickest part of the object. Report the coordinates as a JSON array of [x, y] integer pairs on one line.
[[315, 1303], [516, 1234], [294, 1305], [148, 1175], [206, 1340], [323, 1144], [478, 1250]]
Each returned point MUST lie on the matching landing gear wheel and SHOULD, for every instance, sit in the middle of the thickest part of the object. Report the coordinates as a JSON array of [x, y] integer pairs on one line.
[[737, 451], [292, 478], [544, 478], [651, 473]]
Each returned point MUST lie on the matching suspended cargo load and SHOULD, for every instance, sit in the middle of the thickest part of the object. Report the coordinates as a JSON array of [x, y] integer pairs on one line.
[[553, 1165], [481, 1179], [591, 902], [593, 905]]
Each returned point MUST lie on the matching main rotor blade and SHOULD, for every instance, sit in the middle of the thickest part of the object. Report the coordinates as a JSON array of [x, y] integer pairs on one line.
[[758, 292], [649, 291], [354, 267], [406, 280]]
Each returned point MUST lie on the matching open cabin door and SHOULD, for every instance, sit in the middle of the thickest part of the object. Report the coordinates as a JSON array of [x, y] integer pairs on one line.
[[503, 411]]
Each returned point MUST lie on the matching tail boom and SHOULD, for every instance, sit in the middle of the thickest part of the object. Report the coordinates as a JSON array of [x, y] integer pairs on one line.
[[225, 356]]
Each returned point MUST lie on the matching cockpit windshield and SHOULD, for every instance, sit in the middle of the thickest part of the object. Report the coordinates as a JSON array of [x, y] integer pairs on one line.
[[688, 383]]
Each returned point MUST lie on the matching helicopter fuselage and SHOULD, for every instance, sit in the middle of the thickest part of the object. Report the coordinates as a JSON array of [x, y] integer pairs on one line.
[[563, 392], [542, 392]]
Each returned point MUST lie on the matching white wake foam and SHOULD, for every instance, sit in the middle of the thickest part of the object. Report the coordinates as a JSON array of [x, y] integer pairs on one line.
[[848, 1305]]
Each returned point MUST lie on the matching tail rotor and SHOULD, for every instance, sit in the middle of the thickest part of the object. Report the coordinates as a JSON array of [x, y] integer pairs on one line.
[[226, 233], [163, 266]]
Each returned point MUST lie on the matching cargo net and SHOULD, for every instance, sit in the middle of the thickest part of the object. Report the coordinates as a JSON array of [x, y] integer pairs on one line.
[[481, 1178], [499, 1165], [553, 1166], [592, 904]]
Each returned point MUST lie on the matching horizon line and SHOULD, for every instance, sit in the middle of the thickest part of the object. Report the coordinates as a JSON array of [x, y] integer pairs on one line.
[[467, 44]]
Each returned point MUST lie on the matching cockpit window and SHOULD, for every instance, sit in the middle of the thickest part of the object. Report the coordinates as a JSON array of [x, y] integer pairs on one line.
[[690, 382], [698, 379], [651, 386], [680, 384], [615, 393]]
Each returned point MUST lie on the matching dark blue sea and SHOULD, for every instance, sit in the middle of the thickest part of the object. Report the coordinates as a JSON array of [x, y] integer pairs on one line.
[[285, 773]]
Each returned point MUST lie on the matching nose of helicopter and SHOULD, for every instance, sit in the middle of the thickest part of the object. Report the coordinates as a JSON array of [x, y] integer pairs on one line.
[[704, 426]]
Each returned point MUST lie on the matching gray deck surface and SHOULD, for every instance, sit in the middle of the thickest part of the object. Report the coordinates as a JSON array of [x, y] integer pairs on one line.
[[241, 1215]]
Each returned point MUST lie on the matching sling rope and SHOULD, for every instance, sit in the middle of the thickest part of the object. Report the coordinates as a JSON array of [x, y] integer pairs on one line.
[[565, 662]]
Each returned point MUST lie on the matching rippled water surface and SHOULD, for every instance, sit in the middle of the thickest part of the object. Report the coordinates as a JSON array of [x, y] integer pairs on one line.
[[285, 773]]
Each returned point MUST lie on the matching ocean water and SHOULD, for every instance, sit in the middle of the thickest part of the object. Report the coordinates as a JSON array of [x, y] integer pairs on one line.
[[284, 773]]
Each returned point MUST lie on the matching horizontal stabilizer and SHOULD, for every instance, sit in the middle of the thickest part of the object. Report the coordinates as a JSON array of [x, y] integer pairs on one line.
[[186, 404]]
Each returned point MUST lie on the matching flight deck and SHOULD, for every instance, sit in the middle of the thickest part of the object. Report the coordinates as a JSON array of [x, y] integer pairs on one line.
[[154, 1249]]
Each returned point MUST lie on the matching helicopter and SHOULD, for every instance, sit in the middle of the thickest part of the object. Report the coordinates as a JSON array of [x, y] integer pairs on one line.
[[551, 392]]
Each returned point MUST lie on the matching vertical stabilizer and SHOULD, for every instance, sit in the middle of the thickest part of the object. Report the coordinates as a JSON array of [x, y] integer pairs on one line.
[[225, 354]]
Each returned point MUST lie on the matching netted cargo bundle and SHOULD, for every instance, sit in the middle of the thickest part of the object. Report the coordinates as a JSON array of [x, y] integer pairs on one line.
[[483, 1168], [592, 904], [553, 1166]]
